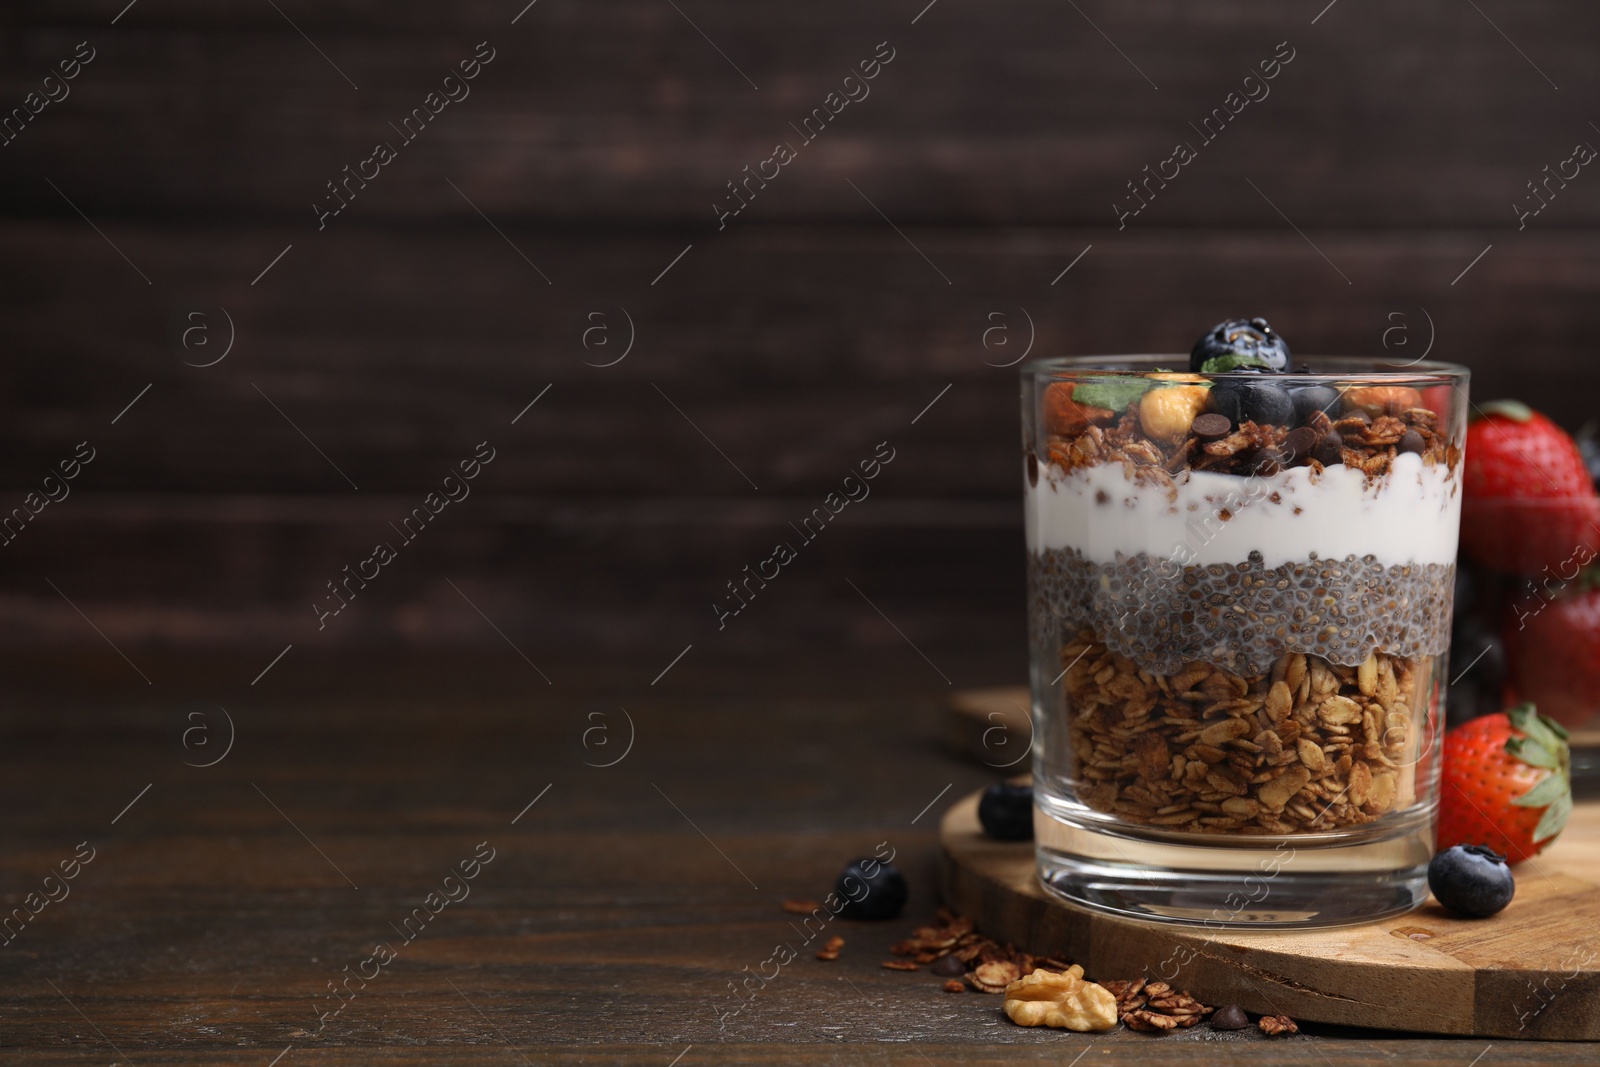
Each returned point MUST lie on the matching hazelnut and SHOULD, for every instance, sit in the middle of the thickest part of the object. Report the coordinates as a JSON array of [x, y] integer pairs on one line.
[[1167, 412], [1377, 400]]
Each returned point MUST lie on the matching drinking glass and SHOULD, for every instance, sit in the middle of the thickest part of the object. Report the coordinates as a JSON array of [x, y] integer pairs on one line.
[[1240, 590]]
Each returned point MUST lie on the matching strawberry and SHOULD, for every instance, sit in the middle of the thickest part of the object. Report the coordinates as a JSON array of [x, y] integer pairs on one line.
[[1529, 503], [1506, 783], [1553, 649]]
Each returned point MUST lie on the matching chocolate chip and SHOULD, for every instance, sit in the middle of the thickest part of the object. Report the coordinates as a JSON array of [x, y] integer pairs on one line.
[[948, 967], [1230, 1017], [1211, 426], [1412, 442], [1300, 442], [1329, 450]]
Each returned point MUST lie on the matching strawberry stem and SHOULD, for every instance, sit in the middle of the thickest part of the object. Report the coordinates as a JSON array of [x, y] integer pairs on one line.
[[1515, 410]]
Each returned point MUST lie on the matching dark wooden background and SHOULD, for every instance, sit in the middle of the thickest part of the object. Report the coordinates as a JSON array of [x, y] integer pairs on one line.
[[870, 279], [796, 339]]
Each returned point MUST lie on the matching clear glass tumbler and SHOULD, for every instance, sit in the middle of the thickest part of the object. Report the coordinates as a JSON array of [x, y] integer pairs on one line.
[[1240, 590]]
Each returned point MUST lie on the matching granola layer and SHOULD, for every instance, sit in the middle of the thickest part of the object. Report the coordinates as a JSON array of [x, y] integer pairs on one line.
[[1306, 746]]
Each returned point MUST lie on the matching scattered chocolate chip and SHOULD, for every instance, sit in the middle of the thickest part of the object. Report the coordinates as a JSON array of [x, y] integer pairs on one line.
[[1212, 426], [1329, 450], [948, 967], [1300, 442], [1033, 469], [1411, 441], [1230, 1017]]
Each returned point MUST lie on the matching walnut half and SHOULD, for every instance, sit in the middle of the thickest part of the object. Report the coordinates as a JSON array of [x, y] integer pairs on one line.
[[1064, 1000]]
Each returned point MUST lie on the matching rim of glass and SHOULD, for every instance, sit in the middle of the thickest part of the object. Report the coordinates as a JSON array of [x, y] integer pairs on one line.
[[1328, 368]]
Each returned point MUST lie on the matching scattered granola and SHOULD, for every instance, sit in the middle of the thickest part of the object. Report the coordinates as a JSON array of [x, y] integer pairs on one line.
[[953, 948], [1273, 1025], [994, 977], [1038, 986], [830, 949], [1061, 1000]]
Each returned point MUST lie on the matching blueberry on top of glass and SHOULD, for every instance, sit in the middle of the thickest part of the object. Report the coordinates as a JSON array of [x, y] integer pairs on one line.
[[1239, 345]]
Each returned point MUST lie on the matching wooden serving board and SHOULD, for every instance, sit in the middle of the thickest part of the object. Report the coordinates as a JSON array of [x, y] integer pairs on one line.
[[1533, 971]]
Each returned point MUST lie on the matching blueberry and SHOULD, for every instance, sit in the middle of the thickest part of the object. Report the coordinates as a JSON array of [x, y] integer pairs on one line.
[[1310, 399], [1251, 399], [871, 889], [1251, 338], [1006, 812], [1471, 880]]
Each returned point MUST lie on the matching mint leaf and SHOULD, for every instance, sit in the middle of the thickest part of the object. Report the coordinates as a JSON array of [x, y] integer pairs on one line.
[[1232, 361], [1112, 393]]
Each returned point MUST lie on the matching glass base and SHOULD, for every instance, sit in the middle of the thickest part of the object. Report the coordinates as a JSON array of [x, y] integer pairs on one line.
[[1311, 880]]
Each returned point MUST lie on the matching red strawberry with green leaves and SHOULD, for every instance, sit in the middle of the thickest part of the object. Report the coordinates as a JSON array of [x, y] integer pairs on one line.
[[1506, 783], [1529, 503], [1553, 650]]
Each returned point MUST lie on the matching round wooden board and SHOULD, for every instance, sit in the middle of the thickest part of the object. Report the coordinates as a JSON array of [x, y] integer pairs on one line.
[[1533, 971]]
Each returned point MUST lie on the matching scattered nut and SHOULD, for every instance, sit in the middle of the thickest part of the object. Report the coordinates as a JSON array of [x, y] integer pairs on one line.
[[954, 986], [899, 965], [1060, 1000], [830, 949], [1273, 1025], [801, 907]]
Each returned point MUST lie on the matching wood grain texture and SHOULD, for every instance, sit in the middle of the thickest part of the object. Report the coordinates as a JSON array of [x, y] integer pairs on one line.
[[606, 928], [1416, 115], [1529, 973], [794, 350]]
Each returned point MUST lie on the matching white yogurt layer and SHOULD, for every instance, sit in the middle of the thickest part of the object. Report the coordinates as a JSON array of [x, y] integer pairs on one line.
[[1410, 515]]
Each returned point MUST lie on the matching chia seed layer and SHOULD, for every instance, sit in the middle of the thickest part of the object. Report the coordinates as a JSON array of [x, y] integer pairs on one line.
[[1244, 616]]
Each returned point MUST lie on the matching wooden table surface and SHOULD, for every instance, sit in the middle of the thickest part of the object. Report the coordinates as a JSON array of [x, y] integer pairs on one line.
[[222, 900]]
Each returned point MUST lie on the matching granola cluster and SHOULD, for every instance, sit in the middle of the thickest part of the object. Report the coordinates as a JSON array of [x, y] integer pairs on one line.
[[986, 965], [1154, 1007], [1306, 747]]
